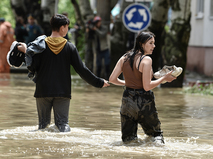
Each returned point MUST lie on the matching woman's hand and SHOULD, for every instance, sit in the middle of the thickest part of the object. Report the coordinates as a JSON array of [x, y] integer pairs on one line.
[[168, 77]]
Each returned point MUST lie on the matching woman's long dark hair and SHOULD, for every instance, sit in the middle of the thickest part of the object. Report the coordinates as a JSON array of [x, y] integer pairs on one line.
[[141, 38]]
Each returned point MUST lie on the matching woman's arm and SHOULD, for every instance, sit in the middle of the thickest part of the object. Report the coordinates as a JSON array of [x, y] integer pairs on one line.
[[146, 69], [116, 72]]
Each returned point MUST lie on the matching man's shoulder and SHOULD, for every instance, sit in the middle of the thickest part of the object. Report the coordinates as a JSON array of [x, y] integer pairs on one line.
[[103, 27], [71, 45], [37, 26]]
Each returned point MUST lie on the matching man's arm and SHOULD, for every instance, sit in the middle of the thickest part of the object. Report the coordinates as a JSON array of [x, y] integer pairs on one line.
[[101, 32], [84, 72]]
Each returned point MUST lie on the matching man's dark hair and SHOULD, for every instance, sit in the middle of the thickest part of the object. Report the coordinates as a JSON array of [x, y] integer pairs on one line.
[[57, 21], [2, 19]]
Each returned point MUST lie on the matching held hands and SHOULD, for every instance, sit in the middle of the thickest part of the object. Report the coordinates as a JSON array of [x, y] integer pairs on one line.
[[168, 77], [106, 83]]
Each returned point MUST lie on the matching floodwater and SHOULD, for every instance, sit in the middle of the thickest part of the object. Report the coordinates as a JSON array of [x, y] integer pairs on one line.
[[95, 124]]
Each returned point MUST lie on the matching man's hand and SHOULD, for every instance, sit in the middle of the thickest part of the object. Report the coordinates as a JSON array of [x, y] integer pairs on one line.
[[94, 28], [22, 47], [106, 83]]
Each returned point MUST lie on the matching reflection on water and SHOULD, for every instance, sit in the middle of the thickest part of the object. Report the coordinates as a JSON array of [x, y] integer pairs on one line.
[[95, 124]]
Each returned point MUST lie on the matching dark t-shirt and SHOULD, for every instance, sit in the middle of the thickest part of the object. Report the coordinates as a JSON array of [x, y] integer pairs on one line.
[[53, 72]]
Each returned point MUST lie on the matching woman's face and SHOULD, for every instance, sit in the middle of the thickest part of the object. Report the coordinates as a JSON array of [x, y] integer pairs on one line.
[[149, 46]]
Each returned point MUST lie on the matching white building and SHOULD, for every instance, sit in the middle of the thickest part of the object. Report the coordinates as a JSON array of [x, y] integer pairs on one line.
[[200, 49]]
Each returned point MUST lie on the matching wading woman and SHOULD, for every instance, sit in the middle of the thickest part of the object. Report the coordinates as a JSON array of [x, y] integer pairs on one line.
[[138, 105]]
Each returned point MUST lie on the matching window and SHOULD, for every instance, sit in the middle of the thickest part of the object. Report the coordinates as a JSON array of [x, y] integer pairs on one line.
[[211, 8], [199, 11]]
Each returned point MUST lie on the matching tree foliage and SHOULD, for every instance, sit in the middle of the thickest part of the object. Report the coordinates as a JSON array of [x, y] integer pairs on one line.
[[66, 6], [6, 12], [172, 47]]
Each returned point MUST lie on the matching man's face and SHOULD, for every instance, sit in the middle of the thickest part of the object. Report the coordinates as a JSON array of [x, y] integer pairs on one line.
[[98, 24], [31, 21], [64, 30]]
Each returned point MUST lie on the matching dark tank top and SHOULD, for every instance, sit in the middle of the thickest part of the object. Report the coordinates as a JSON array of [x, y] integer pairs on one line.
[[133, 78]]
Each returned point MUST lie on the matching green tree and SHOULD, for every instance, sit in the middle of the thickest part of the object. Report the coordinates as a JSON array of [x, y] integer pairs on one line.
[[6, 11], [66, 6], [174, 49], [171, 44]]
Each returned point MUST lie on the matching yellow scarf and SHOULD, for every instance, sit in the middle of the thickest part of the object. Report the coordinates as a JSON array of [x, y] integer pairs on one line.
[[56, 44]]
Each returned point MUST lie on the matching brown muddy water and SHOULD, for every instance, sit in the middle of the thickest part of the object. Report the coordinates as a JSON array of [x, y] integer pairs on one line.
[[95, 124]]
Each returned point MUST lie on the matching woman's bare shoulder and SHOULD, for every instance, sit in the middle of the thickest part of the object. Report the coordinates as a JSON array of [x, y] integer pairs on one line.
[[123, 58], [147, 59]]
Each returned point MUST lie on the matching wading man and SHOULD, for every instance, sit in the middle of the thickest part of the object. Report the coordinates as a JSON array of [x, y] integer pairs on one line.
[[52, 74]]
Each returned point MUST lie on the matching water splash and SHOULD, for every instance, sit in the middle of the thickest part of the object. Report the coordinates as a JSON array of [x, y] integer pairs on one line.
[[93, 142]]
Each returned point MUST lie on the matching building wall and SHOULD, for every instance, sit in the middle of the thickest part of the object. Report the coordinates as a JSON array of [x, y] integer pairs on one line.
[[200, 59], [208, 67], [200, 49], [196, 36], [195, 59]]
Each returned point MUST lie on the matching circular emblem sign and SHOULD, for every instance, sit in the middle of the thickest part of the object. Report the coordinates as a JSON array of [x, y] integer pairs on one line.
[[136, 17]]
